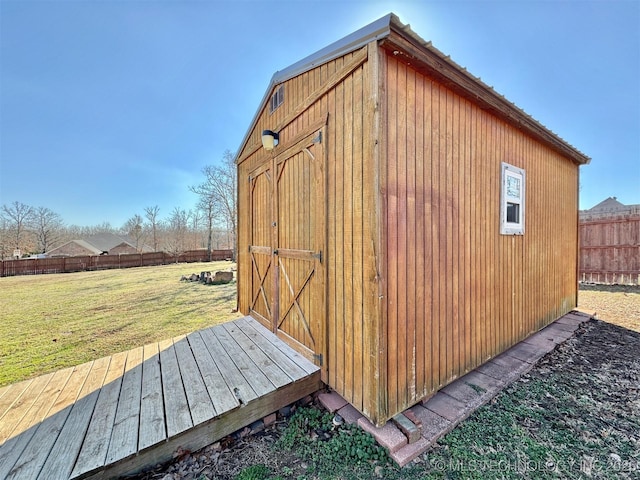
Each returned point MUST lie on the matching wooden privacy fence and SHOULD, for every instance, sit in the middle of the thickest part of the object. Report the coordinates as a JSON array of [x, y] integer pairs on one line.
[[37, 266], [610, 248]]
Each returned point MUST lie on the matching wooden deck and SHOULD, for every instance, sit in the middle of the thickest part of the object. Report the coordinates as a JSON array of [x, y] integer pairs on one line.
[[120, 414]]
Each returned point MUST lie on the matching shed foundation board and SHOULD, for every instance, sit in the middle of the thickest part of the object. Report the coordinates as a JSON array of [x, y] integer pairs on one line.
[[66, 429]]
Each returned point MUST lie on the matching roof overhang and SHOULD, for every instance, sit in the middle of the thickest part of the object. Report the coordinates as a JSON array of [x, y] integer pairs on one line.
[[405, 44]]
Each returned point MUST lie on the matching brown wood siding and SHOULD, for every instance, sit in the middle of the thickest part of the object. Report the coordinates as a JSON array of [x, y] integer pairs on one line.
[[458, 292], [420, 286], [351, 222]]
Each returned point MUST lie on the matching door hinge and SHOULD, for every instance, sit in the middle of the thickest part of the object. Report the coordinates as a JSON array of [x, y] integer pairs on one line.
[[318, 139], [317, 357], [318, 256]]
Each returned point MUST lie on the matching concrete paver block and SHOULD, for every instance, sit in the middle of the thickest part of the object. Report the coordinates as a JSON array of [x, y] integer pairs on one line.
[[389, 436], [350, 414], [544, 341], [269, 419], [445, 406], [565, 327], [490, 385], [558, 333], [407, 427], [571, 319], [499, 370], [410, 452], [411, 416], [433, 425], [463, 393], [524, 351], [332, 401], [517, 366]]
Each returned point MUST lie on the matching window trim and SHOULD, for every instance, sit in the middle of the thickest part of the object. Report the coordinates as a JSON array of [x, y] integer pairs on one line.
[[506, 227]]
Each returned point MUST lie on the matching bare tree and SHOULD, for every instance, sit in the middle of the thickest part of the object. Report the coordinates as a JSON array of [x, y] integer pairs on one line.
[[178, 225], [4, 238], [47, 226], [18, 215], [152, 216], [195, 217], [135, 230], [218, 196], [207, 206], [85, 231]]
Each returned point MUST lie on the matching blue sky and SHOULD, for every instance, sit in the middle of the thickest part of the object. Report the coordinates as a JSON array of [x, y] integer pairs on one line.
[[107, 107]]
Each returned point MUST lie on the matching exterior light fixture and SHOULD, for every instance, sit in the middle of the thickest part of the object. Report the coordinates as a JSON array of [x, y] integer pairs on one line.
[[269, 139]]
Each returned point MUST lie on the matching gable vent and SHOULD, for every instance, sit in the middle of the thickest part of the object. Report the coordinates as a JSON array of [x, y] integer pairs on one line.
[[277, 99]]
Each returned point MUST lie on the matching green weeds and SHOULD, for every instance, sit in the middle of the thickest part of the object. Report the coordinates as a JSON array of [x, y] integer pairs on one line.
[[331, 451]]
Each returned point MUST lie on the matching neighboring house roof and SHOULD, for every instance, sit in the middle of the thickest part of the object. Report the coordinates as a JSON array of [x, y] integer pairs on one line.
[[610, 204], [382, 29], [609, 207], [107, 241], [88, 246], [81, 243], [102, 242]]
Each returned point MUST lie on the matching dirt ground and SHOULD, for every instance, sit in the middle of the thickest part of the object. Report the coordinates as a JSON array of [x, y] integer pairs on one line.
[[603, 358]]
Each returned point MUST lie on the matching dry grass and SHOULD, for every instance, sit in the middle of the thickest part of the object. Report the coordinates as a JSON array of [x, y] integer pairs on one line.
[[615, 304], [48, 322]]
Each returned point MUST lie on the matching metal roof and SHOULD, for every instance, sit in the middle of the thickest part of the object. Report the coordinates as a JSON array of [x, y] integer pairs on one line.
[[374, 31], [378, 30]]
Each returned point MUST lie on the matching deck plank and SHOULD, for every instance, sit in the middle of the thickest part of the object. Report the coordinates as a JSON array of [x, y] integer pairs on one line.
[[22, 405], [96, 443], [301, 361], [37, 450], [230, 372], [270, 369], [212, 431], [11, 450], [258, 380], [11, 394], [152, 423], [4, 390], [122, 413], [62, 457], [221, 396], [124, 437], [200, 404], [175, 399], [291, 368]]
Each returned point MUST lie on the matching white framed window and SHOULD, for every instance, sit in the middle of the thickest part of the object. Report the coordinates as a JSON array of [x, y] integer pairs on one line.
[[512, 200]]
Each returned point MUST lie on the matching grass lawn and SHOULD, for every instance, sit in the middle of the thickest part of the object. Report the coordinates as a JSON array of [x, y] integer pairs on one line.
[[48, 322]]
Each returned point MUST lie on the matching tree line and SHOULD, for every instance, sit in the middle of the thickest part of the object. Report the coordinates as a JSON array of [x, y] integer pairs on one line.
[[28, 230]]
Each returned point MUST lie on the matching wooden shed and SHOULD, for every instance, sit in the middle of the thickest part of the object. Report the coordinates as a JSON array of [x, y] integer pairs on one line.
[[409, 224]]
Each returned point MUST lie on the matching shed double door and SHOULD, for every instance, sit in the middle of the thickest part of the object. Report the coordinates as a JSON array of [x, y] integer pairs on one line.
[[287, 245]]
